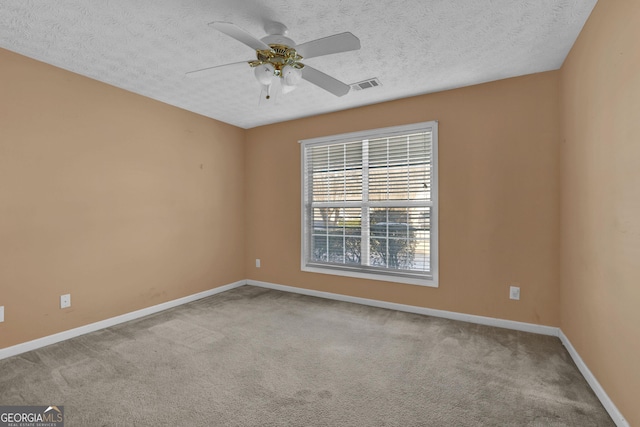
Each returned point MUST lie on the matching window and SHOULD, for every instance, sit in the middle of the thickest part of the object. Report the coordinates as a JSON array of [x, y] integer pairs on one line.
[[370, 206]]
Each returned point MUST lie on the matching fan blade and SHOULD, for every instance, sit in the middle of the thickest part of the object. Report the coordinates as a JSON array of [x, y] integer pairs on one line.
[[239, 34], [209, 70], [325, 81], [343, 42]]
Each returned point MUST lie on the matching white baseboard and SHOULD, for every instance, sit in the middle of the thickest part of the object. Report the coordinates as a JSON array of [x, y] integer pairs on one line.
[[611, 408], [72, 333], [481, 320]]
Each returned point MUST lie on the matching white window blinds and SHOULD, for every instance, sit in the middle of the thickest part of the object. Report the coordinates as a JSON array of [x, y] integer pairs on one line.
[[369, 205]]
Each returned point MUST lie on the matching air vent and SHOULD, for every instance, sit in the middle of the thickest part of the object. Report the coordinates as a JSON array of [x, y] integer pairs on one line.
[[366, 84]]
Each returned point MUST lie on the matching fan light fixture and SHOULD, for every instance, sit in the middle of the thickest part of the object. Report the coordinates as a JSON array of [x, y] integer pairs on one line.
[[267, 75], [280, 62]]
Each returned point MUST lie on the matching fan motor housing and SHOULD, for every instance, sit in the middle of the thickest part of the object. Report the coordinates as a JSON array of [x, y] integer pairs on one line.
[[278, 39]]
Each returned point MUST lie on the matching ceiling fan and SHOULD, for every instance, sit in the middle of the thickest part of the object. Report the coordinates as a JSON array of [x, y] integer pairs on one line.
[[278, 58]]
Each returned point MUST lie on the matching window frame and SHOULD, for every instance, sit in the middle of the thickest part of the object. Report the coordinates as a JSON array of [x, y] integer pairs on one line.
[[396, 276]]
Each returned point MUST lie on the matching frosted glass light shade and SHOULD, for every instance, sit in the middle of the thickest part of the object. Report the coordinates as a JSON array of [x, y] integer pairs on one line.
[[290, 78], [264, 74], [291, 75]]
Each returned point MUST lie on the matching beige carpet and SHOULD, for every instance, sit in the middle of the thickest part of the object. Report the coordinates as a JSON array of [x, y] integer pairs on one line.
[[257, 357]]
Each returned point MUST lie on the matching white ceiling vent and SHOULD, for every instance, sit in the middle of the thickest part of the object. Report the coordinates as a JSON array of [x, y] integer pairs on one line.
[[366, 84]]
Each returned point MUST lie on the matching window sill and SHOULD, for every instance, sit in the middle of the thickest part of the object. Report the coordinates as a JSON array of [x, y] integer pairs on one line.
[[429, 282]]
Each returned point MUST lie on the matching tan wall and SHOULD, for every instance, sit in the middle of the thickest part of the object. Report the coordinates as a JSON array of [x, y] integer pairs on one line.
[[122, 201], [499, 198], [600, 207]]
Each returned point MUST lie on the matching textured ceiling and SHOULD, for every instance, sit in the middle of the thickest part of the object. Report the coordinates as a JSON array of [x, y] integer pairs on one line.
[[411, 46]]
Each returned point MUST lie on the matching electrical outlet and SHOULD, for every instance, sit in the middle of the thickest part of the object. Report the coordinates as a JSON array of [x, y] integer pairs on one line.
[[514, 292], [65, 300], [1, 313], [257, 262]]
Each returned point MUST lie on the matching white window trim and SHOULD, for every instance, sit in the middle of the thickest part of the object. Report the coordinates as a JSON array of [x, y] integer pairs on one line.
[[354, 272]]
